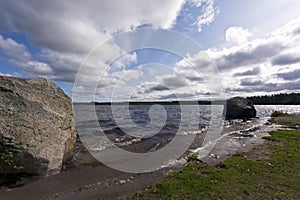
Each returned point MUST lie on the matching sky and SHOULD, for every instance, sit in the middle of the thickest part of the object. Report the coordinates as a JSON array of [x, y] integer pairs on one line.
[[138, 50]]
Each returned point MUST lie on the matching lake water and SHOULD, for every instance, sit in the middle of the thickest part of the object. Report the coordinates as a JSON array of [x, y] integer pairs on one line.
[[149, 128]]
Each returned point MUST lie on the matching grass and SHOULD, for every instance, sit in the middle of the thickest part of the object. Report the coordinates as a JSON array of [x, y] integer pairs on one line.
[[285, 119], [278, 114], [238, 177]]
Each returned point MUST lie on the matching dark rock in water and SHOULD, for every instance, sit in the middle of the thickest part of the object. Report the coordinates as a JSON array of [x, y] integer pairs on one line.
[[37, 127], [239, 108]]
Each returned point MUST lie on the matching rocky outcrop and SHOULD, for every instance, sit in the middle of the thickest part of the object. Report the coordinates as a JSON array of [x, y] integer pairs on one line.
[[37, 127], [239, 108]]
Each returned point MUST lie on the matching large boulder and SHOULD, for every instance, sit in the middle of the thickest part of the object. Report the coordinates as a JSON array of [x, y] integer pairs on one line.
[[239, 108], [37, 127]]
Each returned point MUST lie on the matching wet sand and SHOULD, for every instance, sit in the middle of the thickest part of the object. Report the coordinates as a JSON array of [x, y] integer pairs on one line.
[[85, 178]]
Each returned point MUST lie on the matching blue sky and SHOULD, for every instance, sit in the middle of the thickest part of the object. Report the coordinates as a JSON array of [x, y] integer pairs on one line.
[[253, 47]]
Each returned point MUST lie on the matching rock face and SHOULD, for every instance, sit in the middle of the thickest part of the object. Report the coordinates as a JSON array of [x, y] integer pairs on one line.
[[240, 108], [37, 127]]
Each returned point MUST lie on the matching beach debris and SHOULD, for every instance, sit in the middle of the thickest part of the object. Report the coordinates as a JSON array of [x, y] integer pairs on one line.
[[214, 156], [121, 182]]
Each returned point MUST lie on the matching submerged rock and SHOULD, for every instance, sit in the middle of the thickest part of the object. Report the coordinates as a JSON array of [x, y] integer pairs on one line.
[[37, 127], [239, 108]]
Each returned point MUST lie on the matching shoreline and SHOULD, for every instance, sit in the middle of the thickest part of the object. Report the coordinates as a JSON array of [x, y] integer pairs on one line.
[[269, 170], [87, 178]]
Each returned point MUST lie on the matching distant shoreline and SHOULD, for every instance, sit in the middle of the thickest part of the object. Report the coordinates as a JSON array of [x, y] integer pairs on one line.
[[277, 99], [220, 102]]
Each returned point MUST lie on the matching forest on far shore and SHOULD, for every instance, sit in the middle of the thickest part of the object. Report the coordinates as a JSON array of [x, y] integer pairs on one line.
[[277, 99], [274, 99]]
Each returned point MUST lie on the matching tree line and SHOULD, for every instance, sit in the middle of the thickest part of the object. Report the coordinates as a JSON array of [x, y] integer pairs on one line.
[[277, 99]]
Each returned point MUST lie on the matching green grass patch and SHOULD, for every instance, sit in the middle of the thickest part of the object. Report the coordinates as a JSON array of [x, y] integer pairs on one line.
[[238, 177], [285, 119], [278, 114], [192, 158]]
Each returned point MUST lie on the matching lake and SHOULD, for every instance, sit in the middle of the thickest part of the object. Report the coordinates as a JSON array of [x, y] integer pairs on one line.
[[125, 134]]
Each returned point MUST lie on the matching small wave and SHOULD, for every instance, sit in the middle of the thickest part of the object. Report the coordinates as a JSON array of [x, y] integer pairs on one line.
[[195, 132], [171, 163], [155, 147], [96, 148], [249, 132], [128, 142]]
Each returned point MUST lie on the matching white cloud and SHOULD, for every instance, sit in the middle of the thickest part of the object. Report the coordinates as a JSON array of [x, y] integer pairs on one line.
[[209, 12], [258, 66], [124, 60], [14, 50], [237, 35], [67, 31], [276, 56], [1, 74], [77, 26], [18, 55]]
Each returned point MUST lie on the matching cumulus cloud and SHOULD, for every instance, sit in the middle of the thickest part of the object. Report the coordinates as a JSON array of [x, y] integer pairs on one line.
[[67, 31], [18, 55], [264, 60], [257, 66], [79, 26], [237, 35], [14, 50], [255, 53]]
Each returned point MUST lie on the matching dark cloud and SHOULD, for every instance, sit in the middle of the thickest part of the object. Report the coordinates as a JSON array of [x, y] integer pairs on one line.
[[169, 96], [297, 31], [249, 57], [240, 89], [290, 75], [249, 82], [267, 87], [178, 96], [251, 72], [285, 60], [168, 82], [251, 87], [70, 78], [175, 81], [194, 78], [156, 88], [292, 86], [270, 87]]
